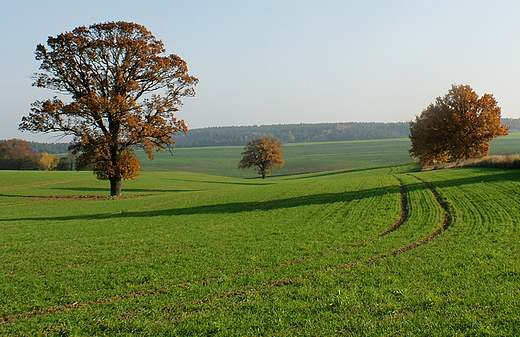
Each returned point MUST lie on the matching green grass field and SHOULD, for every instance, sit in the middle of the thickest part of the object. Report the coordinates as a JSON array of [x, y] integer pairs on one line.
[[382, 251], [301, 157]]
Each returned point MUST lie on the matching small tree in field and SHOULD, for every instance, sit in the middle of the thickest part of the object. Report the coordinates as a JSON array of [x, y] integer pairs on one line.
[[458, 126], [124, 92], [264, 154], [48, 162]]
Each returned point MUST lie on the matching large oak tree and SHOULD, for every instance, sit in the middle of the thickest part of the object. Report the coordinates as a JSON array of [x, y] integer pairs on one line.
[[265, 154], [124, 91], [458, 126]]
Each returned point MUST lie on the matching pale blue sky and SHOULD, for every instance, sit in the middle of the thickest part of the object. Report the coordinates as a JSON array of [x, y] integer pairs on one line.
[[283, 61]]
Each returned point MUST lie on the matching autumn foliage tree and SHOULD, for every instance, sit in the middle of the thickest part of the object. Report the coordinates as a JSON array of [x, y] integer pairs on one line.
[[458, 126], [123, 92], [264, 154], [48, 162], [17, 154]]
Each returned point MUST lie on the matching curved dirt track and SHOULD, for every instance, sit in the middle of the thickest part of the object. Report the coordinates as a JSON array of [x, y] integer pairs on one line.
[[447, 220], [404, 214]]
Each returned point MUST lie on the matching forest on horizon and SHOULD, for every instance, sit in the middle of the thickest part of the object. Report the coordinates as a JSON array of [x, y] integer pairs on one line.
[[286, 133]]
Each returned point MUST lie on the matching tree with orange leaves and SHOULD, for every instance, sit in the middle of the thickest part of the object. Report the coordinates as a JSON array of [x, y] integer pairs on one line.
[[115, 73], [458, 126], [264, 154], [17, 154]]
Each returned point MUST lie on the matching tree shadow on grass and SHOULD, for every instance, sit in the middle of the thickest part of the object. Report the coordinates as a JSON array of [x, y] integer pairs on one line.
[[234, 207], [391, 168], [315, 199], [223, 182], [125, 190]]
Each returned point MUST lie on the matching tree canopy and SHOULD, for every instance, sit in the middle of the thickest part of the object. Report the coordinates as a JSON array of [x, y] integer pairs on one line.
[[458, 126], [265, 154], [123, 92], [17, 154], [48, 162]]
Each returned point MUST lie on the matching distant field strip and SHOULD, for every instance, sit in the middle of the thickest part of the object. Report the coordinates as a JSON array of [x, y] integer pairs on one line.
[[40, 184], [417, 197]]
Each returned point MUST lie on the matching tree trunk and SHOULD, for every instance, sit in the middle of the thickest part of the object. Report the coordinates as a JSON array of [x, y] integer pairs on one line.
[[115, 187]]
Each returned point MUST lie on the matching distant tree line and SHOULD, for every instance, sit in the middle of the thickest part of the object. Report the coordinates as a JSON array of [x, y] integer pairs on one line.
[[286, 133], [303, 133], [513, 124], [18, 154], [291, 133], [52, 148]]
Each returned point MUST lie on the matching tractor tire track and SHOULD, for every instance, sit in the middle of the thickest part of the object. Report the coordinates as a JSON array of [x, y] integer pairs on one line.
[[264, 287], [402, 218], [447, 221]]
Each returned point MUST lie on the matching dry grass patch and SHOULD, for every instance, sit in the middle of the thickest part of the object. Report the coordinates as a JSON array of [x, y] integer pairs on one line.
[[509, 161]]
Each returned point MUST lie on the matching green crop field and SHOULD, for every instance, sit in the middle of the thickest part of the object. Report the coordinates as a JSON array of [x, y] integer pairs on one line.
[[384, 251], [368, 249], [301, 157]]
